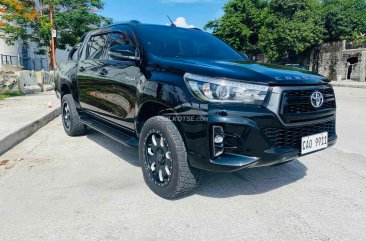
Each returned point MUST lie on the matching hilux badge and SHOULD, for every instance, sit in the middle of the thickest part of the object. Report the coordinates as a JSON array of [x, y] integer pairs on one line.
[[317, 99]]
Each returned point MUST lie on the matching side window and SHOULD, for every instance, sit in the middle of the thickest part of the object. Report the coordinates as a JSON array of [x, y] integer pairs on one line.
[[123, 38], [97, 47]]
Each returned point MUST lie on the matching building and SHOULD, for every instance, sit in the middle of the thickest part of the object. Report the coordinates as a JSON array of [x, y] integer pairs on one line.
[[18, 55], [341, 61], [27, 57]]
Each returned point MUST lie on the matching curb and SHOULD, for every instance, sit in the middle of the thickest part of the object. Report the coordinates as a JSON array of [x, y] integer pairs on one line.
[[23, 133], [350, 85]]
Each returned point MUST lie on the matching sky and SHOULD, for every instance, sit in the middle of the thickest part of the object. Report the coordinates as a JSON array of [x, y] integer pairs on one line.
[[185, 13]]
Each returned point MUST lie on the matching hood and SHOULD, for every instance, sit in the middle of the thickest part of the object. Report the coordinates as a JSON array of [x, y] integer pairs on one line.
[[245, 71]]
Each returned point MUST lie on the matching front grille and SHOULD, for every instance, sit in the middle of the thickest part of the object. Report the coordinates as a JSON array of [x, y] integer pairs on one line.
[[291, 137], [296, 105], [298, 101]]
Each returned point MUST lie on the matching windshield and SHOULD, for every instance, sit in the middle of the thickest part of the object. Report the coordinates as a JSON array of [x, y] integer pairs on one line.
[[173, 42]]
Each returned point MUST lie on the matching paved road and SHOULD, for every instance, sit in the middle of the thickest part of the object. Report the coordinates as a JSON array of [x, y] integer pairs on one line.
[[91, 188]]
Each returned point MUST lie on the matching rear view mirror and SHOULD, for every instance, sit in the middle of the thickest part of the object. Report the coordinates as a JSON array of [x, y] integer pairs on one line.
[[124, 52]]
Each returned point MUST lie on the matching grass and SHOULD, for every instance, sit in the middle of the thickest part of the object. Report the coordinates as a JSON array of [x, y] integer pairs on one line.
[[10, 94]]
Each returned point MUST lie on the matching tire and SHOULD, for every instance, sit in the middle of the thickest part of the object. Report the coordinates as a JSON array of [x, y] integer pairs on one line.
[[167, 151], [70, 117]]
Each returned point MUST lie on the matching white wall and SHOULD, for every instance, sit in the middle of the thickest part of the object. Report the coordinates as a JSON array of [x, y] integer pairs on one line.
[[8, 50]]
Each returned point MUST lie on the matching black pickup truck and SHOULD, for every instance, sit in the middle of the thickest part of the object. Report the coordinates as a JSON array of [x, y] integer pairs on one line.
[[190, 102]]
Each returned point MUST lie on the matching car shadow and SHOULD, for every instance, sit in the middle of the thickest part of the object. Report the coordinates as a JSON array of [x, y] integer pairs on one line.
[[250, 181], [129, 154]]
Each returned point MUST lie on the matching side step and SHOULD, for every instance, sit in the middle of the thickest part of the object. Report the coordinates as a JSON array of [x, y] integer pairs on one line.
[[122, 137]]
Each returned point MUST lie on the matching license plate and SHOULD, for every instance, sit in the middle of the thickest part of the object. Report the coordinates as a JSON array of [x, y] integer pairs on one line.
[[314, 142]]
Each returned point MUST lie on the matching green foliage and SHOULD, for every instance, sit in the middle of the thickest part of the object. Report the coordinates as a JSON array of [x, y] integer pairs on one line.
[[291, 28], [357, 39], [343, 18], [5, 95], [12, 13], [279, 28], [75, 17], [72, 18], [241, 23]]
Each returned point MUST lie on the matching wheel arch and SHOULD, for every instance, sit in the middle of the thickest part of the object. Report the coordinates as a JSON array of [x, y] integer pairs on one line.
[[153, 108], [147, 110], [65, 89]]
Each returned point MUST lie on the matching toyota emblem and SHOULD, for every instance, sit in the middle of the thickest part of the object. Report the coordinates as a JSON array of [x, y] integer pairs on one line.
[[317, 99]]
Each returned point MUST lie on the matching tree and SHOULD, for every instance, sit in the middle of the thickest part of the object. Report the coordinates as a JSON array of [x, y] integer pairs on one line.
[[291, 28], [279, 28], [343, 18], [240, 24], [13, 12], [275, 28], [29, 21], [358, 39]]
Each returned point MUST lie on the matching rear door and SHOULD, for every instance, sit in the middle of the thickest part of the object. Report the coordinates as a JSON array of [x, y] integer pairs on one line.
[[92, 58]]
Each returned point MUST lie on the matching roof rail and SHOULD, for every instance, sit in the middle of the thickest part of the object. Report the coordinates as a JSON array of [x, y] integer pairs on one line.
[[126, 22]]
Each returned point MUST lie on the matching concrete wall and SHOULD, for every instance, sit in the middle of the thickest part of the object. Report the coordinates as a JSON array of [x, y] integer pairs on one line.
[[9, 83], [337, 62]]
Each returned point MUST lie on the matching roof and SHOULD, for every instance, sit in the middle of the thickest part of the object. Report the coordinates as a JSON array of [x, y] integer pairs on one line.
[[136, 23]]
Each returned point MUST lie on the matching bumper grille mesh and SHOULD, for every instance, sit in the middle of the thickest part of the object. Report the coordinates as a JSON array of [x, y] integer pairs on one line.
[[291, 137]]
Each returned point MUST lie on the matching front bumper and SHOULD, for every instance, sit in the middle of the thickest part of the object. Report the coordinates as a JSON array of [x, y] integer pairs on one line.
[[250, 139]]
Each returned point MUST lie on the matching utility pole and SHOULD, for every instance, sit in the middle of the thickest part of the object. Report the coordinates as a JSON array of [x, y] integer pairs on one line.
[[53, 51]]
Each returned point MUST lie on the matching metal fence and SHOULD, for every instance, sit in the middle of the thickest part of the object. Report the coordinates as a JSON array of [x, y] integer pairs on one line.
[[48, 78], [27, 62]]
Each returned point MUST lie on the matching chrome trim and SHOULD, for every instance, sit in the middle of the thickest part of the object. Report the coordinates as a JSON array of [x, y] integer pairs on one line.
[[317, 99]]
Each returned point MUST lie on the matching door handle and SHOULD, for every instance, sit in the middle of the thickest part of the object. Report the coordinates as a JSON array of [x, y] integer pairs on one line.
[[82, 69], [103, 72]]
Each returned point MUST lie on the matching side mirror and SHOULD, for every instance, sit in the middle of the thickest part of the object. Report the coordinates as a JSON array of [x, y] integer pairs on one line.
[[124, 52]]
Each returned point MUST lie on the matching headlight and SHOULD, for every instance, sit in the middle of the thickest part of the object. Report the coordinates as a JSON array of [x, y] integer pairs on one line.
[[222, 90]]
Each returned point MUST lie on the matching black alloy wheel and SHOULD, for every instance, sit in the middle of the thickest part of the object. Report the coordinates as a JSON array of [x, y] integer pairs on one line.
[[164, 161], [70, 117], [66, 116], [158, 158]]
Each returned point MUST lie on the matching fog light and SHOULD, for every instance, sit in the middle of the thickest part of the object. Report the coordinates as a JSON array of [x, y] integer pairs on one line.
[[218, 140]]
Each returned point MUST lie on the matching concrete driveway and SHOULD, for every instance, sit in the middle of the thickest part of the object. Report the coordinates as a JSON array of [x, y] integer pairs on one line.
[[53, 187]]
